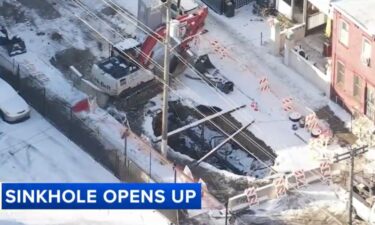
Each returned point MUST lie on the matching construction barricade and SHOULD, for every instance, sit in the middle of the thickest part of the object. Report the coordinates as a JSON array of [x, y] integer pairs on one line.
[[252, 196], [280, 186], [300, 178]]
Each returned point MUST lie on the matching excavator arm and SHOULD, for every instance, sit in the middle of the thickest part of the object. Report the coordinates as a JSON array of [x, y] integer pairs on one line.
[[192, 23]]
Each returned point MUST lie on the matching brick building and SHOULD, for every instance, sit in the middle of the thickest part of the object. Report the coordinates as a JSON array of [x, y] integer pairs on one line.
[[353, 55]]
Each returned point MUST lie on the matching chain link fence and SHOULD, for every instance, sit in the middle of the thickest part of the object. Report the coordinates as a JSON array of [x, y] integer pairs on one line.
[[60, 113]]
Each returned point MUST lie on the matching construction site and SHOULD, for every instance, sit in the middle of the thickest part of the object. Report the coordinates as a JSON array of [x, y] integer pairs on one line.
[[184, 91]]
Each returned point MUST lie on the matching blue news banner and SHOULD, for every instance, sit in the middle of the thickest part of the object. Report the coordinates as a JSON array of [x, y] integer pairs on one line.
[[100, 196]]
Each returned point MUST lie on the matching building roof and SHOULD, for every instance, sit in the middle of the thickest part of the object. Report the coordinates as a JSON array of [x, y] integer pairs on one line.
[[360, 11], [127, 43], [117, 67], [189, 4], [152, 3], [323, 5]]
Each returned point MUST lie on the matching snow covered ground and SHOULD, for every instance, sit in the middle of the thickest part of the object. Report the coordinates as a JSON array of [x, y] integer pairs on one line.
[[234, 47], [42, 47], [82, 217], [245, 63], [240, 47], [35, 151]]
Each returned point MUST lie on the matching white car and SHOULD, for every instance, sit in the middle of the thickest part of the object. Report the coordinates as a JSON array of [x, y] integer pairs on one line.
[[12, 106]]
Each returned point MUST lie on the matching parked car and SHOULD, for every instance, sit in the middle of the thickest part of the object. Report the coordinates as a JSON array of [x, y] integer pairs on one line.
[[12, 106]]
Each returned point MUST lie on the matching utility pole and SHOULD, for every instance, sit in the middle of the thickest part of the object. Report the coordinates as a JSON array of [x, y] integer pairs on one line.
[[351, 183], [124, 136], [351, 154], [164, 141], [226, 212]]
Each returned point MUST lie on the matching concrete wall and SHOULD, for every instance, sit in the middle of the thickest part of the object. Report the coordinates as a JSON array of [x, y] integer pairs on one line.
[[310, 72], [297, 32]]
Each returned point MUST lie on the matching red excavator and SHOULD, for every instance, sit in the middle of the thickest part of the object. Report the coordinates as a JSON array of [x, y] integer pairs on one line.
[[189, 26], [120, 72]]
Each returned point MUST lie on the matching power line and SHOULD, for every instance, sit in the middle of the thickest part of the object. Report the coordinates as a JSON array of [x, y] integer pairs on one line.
[[106, 39], [125, 54], [211, 87], [263, 150], [259, 147]]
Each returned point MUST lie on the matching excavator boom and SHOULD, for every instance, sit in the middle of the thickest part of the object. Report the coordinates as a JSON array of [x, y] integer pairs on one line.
[[191, 23]]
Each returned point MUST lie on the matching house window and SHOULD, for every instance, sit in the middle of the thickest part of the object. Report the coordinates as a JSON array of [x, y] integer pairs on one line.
[[289, 2], [357, 87], [366, 51], [344, 33], [340, 74]]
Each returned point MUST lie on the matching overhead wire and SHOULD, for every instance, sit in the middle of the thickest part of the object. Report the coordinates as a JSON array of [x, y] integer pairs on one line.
[[263, 150], [161, 81], [173, 91], [260, 147], [211, 86], [216, 91]]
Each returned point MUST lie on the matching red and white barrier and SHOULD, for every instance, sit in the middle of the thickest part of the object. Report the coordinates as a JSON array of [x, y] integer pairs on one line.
[[300, 178], [218, 49], [311, 121], [287, 104], [280, 186], [264, 84], [254, 106], [252, 197], [80, 106], [325, 171]]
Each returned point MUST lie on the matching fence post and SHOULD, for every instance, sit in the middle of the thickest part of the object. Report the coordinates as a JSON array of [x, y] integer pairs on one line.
[[150, 167], [70, 128], [44, 112], [18, 75]]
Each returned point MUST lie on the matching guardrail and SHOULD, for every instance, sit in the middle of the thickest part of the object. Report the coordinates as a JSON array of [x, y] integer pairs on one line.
[[271, 191]]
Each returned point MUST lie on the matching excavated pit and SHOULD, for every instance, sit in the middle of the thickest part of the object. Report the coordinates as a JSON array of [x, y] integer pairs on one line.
[[197, 141]]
